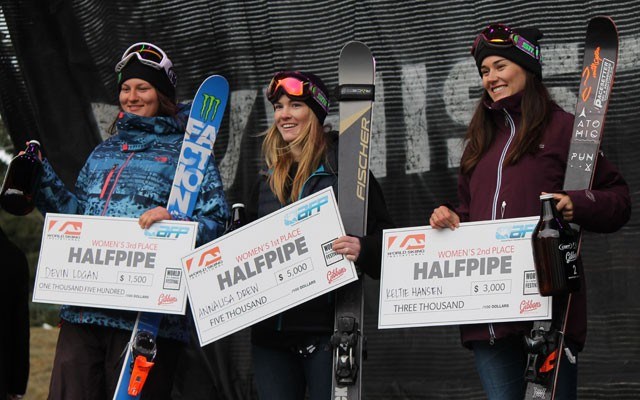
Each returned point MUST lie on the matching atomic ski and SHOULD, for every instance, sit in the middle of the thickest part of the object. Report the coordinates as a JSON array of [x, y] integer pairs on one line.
[[356, 69], [546, 343], [202, 128]]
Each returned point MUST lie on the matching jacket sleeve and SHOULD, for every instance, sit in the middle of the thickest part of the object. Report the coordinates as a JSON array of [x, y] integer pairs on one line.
[[378, 219], [53, 195], [211, 210], [606, 207]]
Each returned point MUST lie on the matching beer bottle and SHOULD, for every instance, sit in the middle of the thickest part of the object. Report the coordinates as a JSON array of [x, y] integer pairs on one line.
[[554, 251], [21, 181], [237, 218]]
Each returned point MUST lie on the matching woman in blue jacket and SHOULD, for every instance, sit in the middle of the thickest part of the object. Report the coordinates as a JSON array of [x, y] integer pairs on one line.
[[291, 351], [129, 175]]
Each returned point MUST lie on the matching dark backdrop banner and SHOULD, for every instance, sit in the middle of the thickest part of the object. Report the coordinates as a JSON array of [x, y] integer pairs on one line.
[[56, 76]]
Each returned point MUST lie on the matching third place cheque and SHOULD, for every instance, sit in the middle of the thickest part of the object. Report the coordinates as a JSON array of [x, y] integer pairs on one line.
[[266, 267], [480, 272]]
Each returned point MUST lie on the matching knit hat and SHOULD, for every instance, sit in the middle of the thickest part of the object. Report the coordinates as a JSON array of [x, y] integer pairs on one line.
[[482, 49], [162, 78], [314, 95]]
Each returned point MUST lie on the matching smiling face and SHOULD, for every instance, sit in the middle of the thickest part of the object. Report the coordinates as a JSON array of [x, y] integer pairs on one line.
[[502, 77], [291, 117], [139, 97]]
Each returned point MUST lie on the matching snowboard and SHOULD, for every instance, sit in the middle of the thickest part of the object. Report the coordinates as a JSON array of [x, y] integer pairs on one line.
[[546, 343], [202, 128], [356, 70]]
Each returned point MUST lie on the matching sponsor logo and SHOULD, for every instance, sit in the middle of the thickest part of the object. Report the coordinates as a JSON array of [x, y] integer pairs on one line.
[[64, 230], [209, 108], [529, 305], [335, 274], [166, 231], [305, 210], [414, 241], [406, 245], [207, 258], [518, 231], [341, 393], [539, 392], [363, 159], [166, 299]]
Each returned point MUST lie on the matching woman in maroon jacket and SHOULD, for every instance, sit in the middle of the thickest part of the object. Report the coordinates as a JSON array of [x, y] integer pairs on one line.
[[517, 146]]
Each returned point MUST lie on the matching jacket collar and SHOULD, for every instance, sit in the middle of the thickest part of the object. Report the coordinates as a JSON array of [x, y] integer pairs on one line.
[[512, 104], [140, 133]]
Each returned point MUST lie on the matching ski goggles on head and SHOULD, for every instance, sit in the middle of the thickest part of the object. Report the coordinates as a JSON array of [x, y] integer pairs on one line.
[[296, 86], [501, 36], [150, 55]]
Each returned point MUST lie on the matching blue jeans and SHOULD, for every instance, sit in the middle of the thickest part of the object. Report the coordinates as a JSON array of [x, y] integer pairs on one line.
[[501, 368], [282, 374]]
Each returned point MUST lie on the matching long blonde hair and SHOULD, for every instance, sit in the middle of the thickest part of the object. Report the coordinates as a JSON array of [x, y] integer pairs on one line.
[[279, 157]]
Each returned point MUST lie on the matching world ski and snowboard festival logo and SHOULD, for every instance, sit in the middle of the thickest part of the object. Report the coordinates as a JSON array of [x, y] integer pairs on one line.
[[209, 258], [406, 245], [64, 230]]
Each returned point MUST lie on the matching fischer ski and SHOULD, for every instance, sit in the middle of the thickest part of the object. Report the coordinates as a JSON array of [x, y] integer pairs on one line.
[[202, 128], [356, 93], [546, 343]]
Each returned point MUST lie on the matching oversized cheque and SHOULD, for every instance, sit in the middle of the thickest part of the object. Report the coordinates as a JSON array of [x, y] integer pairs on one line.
[[481, 272], [110, 262], [266, 267]]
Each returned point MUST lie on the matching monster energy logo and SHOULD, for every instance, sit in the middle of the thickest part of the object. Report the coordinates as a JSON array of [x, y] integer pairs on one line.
[[209, 108]]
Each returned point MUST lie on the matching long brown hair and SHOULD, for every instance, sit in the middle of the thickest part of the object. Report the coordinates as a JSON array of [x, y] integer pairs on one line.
[[312, 144], [536, 106], [166, 107]]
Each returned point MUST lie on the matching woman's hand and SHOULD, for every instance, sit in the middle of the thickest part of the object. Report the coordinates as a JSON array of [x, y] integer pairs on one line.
[[443, 217], [349, 246], [564, 205], [154, 215]]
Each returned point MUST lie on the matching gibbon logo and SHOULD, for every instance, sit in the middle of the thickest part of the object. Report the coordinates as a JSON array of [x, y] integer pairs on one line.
[[64, 229], [206, 259]]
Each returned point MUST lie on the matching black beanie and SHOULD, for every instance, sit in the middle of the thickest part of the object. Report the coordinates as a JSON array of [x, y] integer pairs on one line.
[[313, 104], [526, 61], [156, 77]]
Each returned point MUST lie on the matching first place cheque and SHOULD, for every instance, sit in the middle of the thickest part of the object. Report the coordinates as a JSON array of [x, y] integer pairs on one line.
[[109, 262], [481, 272], [266, 267]]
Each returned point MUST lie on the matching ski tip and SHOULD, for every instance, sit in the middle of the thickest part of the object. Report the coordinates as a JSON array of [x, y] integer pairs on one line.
[[355, 46], [602, 21], [218, 80]]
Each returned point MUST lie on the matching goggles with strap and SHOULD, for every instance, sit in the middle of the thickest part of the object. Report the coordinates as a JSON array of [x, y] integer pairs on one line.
[[150, 55], [297, 87], [501, 36]]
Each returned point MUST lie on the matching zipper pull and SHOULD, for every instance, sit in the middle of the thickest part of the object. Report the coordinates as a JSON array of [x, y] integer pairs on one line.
[[502, 208]]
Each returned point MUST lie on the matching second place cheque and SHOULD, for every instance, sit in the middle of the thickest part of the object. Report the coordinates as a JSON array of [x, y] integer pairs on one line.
[[481, 272]]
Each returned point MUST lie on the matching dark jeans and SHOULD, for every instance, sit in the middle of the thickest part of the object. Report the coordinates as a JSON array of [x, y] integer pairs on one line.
[[283, 374], [501, 368], [88, 361]]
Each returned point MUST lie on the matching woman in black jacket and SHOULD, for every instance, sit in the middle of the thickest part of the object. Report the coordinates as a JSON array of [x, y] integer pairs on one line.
[[291, 351]]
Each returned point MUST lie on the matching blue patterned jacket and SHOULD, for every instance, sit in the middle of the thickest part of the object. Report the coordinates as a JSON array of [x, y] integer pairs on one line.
[[126, 175]]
